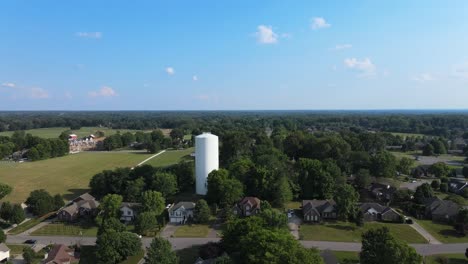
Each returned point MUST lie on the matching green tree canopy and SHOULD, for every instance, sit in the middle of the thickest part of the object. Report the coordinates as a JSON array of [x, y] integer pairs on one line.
[[160, 252], [153, 201]]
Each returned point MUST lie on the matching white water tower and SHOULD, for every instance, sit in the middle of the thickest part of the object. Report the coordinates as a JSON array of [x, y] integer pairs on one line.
[[206, 159]]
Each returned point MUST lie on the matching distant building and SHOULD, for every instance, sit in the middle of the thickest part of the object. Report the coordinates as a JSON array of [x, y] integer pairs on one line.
[[4, 253], [441, 210], [129, 211], [382, 192], [181, 212], [318, 210], [72, 137], [247, 206], [61, 254]]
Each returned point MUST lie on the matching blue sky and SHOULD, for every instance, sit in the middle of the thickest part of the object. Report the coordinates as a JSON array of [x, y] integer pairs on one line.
[[229, 55]]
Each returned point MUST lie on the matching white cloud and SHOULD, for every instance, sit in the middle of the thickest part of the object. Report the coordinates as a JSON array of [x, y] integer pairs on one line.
[[93, 35], [342, 46], [105, 91], [423, 77], [170, 71], [318, 23], [195, 78], [266, 35], [38, 93], [8, 84], [365, 66]]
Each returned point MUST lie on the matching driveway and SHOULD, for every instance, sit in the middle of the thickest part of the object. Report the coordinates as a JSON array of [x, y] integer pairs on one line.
[[169, 230], [413, 185], [425, 234], [293, 224]]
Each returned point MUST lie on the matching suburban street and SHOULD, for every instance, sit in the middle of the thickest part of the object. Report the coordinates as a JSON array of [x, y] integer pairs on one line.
[[181, 243]]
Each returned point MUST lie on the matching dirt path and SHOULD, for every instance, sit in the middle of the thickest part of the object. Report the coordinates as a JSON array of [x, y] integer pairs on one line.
[[155, 155]]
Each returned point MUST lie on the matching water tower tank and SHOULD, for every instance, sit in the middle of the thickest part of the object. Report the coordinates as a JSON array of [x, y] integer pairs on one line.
[[206, 159]]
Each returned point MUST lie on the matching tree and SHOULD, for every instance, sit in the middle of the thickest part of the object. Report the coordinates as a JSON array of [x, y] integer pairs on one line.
[[33, 154], [28, 255], [154, 147], [428, 150], [435, 184], [202, 212], [444, 187], [160, 252], [314, 180], [465, 171], [5, 190], [363, 179], [111, 223], [40, 202], [223, 259], [466, 253], [2, 236], [165, 183], [153, 201], [222, 189], [423, 192], [110, 206], [461, 224], [17, 214], [58, 201], [383, 164], [130, 244], [274, 218], [359, 218], [145, 222], [185, 173], [380, 247], [440, 169], [107, 247], [5, 211], [404, 165], [346, 199]]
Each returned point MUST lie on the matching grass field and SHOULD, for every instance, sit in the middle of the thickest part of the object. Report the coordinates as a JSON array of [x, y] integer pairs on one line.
[[192, 231], [29, 224], [60, 229], [170, 157], [346, 256], [443, 233], [68, 175], [348, 232], [405, 135], [451, 259], [54, 132]]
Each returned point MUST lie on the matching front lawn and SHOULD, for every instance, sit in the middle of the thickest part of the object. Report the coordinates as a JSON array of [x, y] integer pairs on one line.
[[28, 224], [451, 259], [62, 229], [347, 256], [349, 232], [16, 249], [442, 232], [192, 231]]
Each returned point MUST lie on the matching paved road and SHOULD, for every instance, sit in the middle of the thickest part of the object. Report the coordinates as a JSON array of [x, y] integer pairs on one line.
[[181, 243]]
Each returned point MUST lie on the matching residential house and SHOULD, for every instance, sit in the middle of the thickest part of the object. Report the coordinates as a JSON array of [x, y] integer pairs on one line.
[[247, 206], [382, 192], [377, 212], [61, 254], [84, 205], [421, 171], [4, 253], [129, 211], [457, 185], [181, 212], [441, 210], [318, 210]]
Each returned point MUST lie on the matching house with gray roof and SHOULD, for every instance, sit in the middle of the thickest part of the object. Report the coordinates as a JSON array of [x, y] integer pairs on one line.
[[247, 206], [318, 210], [181, 212], [441, 210], [376, 212], [84, 205], [129, 211]]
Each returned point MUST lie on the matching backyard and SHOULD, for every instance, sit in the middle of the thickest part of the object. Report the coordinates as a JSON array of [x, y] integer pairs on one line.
[[349, 232], [60, 229]]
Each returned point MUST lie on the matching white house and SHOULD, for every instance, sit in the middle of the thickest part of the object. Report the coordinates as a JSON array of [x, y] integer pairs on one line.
[[128, 211], [181, 212], [4, 252]]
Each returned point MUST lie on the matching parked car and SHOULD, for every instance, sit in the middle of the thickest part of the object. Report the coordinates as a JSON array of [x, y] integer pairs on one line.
[[408, 220], [30, 241]]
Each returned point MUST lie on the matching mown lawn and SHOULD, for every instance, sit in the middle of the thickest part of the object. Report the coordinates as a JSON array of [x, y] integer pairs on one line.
[[405, 135], [442, 232], [170, 157], [192, 231], [349, 232], [68, 175], [450, 258], [28, 224], [60, 229], [347, 256], [16, 249], [54, 132]]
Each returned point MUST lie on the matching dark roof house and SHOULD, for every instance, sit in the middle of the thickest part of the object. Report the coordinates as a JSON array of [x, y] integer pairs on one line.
[[247, 206], [382, 192], [441, 210], [318, 210], [83, 205], [61, 254], [377, 212]]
